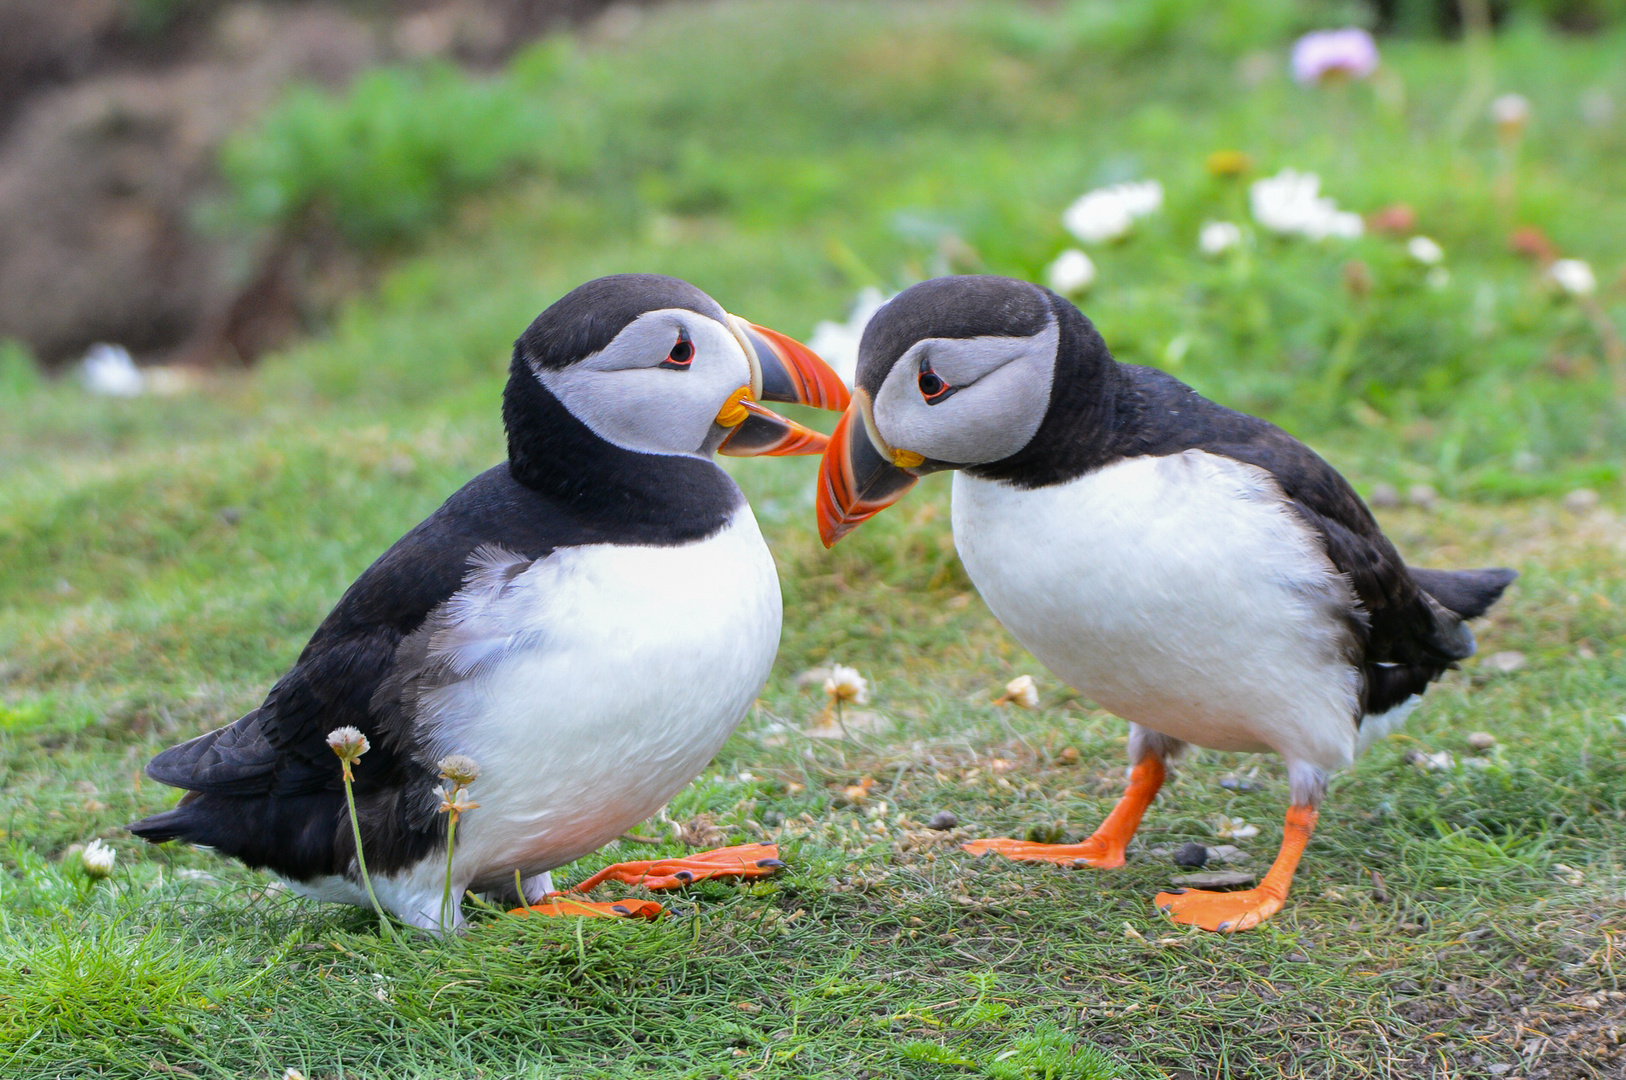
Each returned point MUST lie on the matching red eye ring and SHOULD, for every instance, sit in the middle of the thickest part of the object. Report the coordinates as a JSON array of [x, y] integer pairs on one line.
[[932, 386], [682, 354]]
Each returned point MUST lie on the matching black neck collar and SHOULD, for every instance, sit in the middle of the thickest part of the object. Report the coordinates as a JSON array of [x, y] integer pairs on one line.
[[553, 453]]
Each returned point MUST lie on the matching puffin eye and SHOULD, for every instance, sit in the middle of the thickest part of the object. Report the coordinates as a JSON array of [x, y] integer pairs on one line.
[[682, 353], [932, 386]]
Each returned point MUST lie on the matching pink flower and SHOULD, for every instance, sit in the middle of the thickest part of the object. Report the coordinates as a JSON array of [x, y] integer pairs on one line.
[[1324, 55]]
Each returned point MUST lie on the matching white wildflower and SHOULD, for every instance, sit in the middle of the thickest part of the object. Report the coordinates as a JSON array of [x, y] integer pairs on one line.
[[845, 684], [1425, 250], [1573, 276], [349, 743], [97, 860], [1291, 203], [1021, 691], [291, 1073], [108, 371], [1510, 112], [1215, 238], [1073, 272], [1108, 213], [460, 769], [837, 343]]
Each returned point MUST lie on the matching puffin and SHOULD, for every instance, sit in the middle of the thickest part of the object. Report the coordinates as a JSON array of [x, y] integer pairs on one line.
[[587, 621], [1196, 571]]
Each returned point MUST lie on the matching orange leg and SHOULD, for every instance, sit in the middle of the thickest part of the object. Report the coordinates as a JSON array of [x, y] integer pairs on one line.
[[559, 904], [743, 861], [1105, 848], [1232, 911]]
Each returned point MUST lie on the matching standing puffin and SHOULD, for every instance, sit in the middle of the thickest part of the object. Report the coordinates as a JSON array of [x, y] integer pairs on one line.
[[588, 621], [1196, 571]]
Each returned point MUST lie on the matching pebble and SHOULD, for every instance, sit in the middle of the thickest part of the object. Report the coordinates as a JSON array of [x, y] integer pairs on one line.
[[1227, 853], [1422, 495], [1581, 500], [1213, 879], [943, 821], [1507, 661], [1481, 740], [1383, 497], [1191, 854]]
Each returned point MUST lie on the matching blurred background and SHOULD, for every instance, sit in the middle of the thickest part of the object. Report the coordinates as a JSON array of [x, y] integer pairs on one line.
[[204, 183]]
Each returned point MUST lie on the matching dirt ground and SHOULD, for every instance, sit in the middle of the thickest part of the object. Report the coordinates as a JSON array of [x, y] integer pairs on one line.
[[111, 116]]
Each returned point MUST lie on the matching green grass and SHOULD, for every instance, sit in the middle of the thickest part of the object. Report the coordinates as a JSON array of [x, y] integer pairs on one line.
[[162, 560]]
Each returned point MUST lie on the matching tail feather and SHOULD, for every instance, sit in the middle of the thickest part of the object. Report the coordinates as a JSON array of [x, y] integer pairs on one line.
[[1468, 593], [175, 824]]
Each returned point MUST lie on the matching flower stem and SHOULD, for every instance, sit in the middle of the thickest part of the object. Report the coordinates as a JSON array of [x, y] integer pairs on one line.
[[361, 860], [446, 896]]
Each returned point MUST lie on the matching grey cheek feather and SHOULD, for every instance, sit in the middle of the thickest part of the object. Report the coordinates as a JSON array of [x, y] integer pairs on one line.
[[1003, 390], [627, 399]]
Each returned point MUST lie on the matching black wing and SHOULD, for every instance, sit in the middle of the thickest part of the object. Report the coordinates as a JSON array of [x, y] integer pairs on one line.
[[280, 748]]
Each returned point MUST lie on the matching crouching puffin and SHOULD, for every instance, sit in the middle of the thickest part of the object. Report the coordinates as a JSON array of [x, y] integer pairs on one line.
[[1196, 571], [588, 621]]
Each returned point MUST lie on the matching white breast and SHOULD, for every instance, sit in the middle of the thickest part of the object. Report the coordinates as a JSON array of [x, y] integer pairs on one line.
[[605, 679], [1181, 593]]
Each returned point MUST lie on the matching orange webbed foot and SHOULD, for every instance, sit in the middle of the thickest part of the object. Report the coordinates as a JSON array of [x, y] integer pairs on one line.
[[741, 861], [558, 904], [1093, 851], [1224, 912]]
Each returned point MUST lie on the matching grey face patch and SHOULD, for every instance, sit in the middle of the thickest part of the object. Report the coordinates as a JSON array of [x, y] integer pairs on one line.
[[623, 394], [1001, 389]]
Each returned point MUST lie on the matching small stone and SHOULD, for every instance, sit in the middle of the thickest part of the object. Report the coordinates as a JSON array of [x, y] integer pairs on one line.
[[1506, 662], [1500, 1069], [1191, 854], [1297, 958], [1581, 500], [1233, 782], [1440, 762], [1422, 496], [943, 821], [231, 515], [1383, 497], [1213, 879], [1228, 853], [1481, 740]]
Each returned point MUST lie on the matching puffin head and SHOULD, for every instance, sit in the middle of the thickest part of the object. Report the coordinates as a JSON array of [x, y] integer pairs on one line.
[[650, 364], [953, 373]]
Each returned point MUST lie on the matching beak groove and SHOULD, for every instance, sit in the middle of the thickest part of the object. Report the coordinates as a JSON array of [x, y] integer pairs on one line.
[[782, 369], [856, 480], [785, 370], [764, 433]]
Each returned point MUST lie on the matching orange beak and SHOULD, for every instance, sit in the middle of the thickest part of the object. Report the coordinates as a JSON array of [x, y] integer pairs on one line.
[[782, 369], [857, 479]]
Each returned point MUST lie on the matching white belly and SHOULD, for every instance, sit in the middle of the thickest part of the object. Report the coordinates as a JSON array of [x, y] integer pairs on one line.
[[1180, 593], [621, 672]]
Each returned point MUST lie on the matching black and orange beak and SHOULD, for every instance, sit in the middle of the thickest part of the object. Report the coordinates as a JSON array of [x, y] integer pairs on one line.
[[857, 478], [782, 369]]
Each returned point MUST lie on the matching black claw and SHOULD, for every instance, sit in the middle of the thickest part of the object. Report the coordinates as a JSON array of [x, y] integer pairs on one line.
[[683, 875], [620, 909], [770, 864]]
